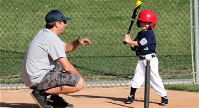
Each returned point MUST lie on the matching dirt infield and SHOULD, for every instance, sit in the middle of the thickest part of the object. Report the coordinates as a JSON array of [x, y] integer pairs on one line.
[[103, 98]]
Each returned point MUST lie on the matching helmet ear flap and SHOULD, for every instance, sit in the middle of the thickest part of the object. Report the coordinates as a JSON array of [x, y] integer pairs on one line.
[[150, 25], [138, 23]]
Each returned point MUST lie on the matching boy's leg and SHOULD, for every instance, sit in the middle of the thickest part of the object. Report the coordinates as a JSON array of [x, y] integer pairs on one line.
[[139, 75], [136, 81], [156, 81], [131, 97]]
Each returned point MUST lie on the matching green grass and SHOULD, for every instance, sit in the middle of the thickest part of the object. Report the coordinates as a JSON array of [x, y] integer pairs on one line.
[[104, 22], [189, 88]]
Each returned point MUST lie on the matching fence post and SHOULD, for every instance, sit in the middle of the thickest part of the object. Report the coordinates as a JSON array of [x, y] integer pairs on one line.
[[196, 40]]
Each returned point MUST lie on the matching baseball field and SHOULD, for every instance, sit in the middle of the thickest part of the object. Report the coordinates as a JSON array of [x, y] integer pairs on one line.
[[104, 22], [103, 98]]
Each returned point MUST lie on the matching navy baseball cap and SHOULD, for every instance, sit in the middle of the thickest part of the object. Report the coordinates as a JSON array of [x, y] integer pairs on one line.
[[55, 15]]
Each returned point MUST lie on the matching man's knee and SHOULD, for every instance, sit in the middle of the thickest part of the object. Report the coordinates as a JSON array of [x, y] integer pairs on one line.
[[80, 84]]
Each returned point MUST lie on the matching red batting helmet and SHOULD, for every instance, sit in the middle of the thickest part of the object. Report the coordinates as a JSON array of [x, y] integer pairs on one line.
[[148, 16]]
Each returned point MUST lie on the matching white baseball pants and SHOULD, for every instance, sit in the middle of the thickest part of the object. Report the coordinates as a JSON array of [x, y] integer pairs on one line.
[[155, 79]]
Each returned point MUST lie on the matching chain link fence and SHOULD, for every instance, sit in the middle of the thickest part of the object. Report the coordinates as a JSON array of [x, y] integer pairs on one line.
[[105, 22]]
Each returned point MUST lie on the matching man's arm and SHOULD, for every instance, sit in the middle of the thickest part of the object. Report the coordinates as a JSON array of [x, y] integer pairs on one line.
[[71, 46], [68, 67]]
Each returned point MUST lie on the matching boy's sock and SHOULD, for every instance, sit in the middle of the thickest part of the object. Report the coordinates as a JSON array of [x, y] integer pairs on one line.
[[133, 90]]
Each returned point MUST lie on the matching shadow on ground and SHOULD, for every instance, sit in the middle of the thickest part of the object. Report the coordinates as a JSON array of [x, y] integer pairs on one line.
[[18, 105], [111, 98]]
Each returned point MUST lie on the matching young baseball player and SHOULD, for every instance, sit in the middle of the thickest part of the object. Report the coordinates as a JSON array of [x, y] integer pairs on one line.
[[46, 68], [145, 44]]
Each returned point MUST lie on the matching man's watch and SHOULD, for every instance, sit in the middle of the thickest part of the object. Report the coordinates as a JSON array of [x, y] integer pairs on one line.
[[78, 39]]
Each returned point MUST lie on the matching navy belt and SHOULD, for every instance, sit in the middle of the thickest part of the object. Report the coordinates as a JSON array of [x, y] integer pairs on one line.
[[143, 58]]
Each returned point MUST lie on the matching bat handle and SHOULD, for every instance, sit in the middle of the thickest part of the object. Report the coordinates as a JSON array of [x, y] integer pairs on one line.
[[124, 42], [128, 31]]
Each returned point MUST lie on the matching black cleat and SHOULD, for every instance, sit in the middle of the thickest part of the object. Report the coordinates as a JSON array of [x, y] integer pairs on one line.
[[130, 99], [164, 100]]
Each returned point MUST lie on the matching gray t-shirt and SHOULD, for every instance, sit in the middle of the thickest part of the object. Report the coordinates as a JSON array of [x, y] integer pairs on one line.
[[41, 56]]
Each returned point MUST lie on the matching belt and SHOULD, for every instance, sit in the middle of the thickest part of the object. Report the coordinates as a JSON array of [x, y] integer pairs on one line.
[[143, 58]]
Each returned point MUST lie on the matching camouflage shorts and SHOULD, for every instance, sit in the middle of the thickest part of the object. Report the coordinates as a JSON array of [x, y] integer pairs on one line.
[[57, 79]]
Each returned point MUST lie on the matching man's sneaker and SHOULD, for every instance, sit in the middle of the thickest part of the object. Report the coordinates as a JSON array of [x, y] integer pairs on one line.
[[59, 102], [130, 99], [164, 100], [40, 98]]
